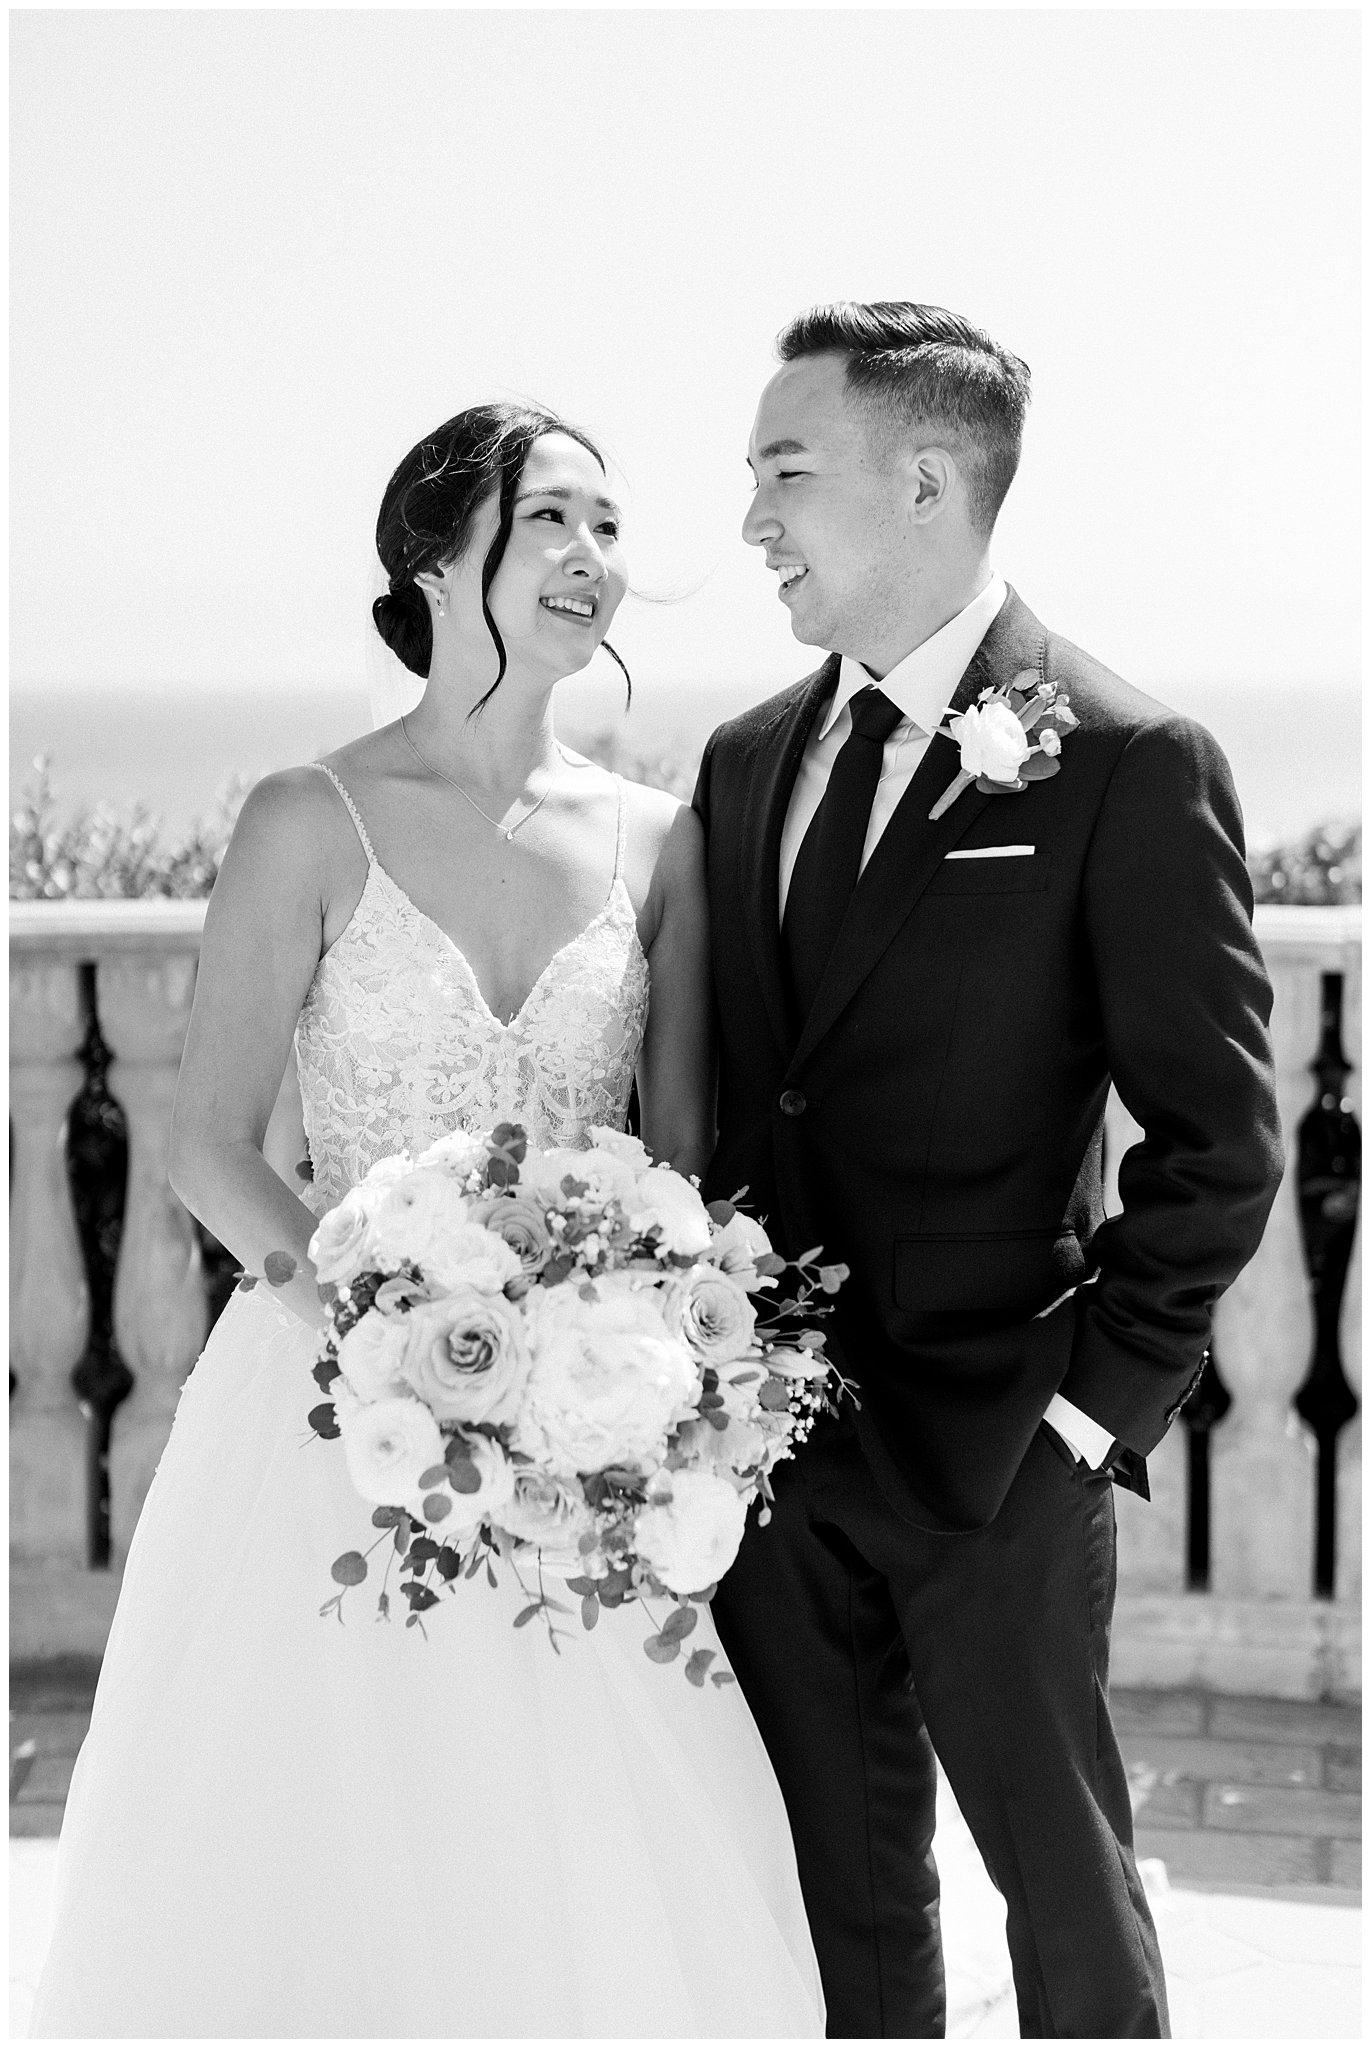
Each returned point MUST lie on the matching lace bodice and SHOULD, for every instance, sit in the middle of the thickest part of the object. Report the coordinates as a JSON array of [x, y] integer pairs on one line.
[[396, 1044]]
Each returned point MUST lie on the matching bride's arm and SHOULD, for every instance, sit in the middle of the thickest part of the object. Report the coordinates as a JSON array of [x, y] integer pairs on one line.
[[676, 1065], [262, 940]]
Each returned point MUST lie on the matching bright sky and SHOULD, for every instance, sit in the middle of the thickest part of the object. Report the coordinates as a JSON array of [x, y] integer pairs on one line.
[[256, 255]]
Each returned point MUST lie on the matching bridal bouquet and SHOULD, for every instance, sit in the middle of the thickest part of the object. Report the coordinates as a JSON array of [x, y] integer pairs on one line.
[[561, 1359]]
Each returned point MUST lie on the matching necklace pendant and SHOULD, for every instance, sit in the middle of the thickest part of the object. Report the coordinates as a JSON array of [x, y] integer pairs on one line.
[[510, 833]]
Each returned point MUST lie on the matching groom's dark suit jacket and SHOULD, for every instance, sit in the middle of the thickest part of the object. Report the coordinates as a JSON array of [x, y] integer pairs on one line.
[[936, 1121]]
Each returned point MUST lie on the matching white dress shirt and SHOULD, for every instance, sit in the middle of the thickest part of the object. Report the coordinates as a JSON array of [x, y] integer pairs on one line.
[[922, 685]]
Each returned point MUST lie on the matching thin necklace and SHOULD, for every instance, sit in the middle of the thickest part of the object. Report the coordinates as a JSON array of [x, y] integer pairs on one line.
[[508, 831]]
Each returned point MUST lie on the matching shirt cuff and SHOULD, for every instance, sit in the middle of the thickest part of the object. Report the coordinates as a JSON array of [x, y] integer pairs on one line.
[[1087, 1439]]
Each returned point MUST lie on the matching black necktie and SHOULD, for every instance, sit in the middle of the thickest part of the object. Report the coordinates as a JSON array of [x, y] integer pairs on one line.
[[830, 857]]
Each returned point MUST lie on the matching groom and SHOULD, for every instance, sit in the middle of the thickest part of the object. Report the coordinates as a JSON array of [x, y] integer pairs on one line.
[[919, 1021]]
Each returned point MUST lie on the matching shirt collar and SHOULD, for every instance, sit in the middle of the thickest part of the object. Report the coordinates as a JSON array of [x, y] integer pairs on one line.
[[922, 684]]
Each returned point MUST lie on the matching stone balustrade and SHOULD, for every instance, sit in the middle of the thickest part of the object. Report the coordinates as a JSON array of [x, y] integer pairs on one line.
[[1257, 1625]]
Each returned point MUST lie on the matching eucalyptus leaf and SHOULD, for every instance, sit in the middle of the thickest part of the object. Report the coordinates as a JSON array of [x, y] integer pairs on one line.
[[386, 1518], [304, 1168], [464, 1478], [697, 1664], [679, 1625], [279, 1268], [350, 1569], [721, 1213], [590, 1610], [525, 1614], [246, 1283], [323, 1420], [324, 1374], [662, 1649], [722, 1678], [774, 1395], [1040, 767], [422, 1551], [449, 1562]]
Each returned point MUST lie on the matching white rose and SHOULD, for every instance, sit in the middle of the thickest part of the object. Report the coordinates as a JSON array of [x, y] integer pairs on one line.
[[668, 1201], [370, 1357], [993, 742], [465, 1356], [713, 1314], [521, 1220], [552, 1513], [341, 1246], [388, 1445], [607, 1379], [736, 1249], [488, 1502], [689, 1536], [458, 1153]]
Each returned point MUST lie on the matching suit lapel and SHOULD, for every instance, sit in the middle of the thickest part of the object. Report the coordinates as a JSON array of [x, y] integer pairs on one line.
[[912, 848], [776, 764]]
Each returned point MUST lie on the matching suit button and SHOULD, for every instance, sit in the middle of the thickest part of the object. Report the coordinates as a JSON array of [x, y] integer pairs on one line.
[[793, 1103]]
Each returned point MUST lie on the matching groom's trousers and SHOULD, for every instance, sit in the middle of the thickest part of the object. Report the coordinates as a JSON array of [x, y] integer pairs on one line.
[[864, 1646]]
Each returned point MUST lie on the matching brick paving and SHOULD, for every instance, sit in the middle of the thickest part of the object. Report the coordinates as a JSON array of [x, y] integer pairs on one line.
[[1244, 1792]]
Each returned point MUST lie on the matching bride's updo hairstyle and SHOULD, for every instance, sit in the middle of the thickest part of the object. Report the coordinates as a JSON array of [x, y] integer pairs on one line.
[[428, 510]]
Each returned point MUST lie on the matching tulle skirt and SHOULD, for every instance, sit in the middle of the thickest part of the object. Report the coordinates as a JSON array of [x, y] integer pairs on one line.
[[288, 1826]]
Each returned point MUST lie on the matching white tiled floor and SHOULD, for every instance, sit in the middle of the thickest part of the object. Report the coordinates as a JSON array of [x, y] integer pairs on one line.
[[1255, 1969]]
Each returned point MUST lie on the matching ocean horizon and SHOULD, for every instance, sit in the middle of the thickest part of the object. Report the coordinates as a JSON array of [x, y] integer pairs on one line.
[[1295, 754]]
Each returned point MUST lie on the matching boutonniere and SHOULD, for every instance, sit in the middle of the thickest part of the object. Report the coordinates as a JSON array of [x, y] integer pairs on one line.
[[997, 754]]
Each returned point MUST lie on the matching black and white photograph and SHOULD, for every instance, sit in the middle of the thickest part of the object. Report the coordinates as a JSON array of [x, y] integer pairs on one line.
[[685, 1023]]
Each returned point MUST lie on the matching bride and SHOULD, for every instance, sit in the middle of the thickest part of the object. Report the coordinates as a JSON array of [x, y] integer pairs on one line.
[[284, 1827]]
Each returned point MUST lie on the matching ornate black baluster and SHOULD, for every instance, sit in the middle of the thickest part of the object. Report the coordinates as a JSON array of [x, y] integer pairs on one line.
[[1329, 1186], [97, 1163], [1201, 1414]]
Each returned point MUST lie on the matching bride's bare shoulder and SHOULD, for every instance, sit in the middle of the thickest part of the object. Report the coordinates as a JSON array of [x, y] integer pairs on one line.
[[292, 822]]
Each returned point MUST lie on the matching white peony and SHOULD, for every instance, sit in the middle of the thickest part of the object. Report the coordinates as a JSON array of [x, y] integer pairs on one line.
[[458, 1153], [668, 1201], [465, 1356], [415, 1214], [388, 1445], [689, 1533], [712, 1312], [371, 1354], [620, 1145], [466, 1511], [607, 1379], [993, 742], [740, 1447], [606, 1175]]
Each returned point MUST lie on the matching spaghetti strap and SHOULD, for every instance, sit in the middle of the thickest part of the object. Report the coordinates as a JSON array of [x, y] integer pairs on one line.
[[353, 811], [623, 830]]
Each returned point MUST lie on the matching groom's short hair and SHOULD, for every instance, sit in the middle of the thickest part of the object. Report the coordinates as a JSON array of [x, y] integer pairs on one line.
[[920, 369]]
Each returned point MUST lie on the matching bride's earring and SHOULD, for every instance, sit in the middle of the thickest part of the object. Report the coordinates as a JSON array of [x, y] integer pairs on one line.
[[442, 604]]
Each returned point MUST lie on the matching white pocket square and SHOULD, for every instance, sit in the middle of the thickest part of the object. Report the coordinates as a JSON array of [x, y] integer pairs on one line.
[[989, 852]]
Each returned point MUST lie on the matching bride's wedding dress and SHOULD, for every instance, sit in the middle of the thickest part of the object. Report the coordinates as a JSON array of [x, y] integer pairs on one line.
[[284, 1827]]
